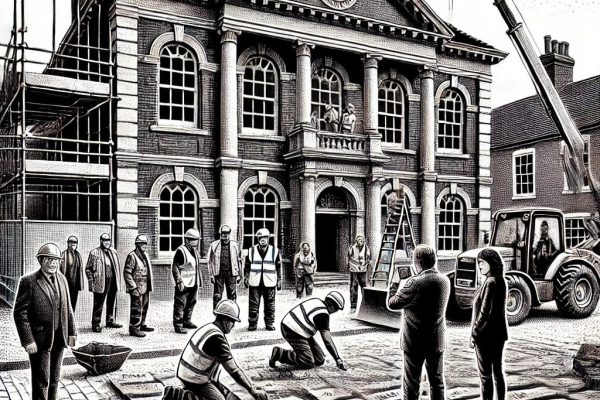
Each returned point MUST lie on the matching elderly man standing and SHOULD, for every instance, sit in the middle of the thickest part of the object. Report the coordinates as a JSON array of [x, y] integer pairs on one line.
[[45, 322], [187, 277], [262, 274], [359, 259], [71, 266], [138, 280], [104, 277], [224, 266]]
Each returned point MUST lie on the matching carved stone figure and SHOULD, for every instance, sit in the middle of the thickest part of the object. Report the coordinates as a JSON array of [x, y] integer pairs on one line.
[[331, 118], [348, 119]]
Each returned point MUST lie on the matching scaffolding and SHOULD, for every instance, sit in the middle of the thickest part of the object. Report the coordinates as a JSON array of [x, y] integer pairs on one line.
[[56, 136]]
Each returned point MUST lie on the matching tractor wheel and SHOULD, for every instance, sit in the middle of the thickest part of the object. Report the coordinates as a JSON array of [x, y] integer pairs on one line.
[[518, 300], [576, 291]]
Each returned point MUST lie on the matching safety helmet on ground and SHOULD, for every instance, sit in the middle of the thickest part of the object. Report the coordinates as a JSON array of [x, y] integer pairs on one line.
[[224, 229], [141, 239], [192, 234], [263, 232], [336, 298], [105, 236], [48, 250], [72, 239], [228, 308]]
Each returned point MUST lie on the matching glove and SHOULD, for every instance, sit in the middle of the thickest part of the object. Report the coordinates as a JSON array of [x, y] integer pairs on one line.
[[259, 394], [246, 283], [278, 284], [31, 348], [136, 292], [180, 286], [341, 364], [71, 341], [212, 280]]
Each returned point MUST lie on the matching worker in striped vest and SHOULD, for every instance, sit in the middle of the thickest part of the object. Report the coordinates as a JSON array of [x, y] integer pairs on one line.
[[262, 274], [359, 259], [300, 325], [206, 350]]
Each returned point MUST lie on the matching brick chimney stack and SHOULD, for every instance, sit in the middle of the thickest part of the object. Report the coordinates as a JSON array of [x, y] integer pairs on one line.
[[558, 63]]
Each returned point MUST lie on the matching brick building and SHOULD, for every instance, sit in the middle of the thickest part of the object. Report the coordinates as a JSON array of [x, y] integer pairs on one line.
[[219, 117], [526, 146]]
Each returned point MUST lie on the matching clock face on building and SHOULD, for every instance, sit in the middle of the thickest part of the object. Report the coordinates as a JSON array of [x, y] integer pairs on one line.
[[339, 4]]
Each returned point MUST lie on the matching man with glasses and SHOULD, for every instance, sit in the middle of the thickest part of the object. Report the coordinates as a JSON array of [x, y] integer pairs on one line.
[[71, 266], [224, 266]]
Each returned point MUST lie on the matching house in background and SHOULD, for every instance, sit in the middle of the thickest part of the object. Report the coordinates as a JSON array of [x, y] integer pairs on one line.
[[526, 147]]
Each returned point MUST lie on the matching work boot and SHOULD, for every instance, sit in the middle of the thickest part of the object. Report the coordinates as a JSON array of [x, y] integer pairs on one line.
[[96, 329], [270, 327], [180, 329], [136, 332], [252, 326], [146, 328], [112, 324], [275, 356], [189, 325]]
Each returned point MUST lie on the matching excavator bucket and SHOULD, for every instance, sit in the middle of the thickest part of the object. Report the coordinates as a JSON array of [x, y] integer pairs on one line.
[[373, 309]]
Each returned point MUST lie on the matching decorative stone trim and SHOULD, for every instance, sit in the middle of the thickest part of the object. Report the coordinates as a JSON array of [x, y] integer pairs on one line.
[[327, 62], [262, 50], [178, 129], [170, 177], [393, 75], [272, 182], [324, 183], [458, 192], [167, 37], [461, 88]]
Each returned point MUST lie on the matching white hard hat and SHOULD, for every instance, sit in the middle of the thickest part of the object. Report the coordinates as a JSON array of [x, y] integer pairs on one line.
[[229, 309], [337, 299], [192, 234], [263, 232], [141, 239], [48, 250]]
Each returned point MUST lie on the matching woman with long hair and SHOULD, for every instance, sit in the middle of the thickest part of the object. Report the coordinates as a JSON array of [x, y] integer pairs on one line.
[[490, 327]]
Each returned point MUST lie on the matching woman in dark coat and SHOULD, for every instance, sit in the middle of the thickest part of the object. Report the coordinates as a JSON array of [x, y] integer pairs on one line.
[[490, 328]]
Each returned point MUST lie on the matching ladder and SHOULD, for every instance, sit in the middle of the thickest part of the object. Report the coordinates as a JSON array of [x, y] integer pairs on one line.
[[397, 235]]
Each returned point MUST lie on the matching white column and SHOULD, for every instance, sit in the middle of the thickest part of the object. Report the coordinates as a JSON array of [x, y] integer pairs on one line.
[[229, 199], [427, 150], [308, 210], [374, 217], [370, 93], [303, 82]]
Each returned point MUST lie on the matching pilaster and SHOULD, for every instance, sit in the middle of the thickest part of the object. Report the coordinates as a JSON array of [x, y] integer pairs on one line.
[[427, 150]]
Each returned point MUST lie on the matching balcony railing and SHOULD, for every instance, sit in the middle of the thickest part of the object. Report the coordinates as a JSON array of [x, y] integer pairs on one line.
[[341, 141]]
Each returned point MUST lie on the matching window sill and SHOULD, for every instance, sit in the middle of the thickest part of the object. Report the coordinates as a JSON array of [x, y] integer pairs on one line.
[[453, 155], [524, 197], [178, 129], [252, 136], [584, 190], [397, 149]]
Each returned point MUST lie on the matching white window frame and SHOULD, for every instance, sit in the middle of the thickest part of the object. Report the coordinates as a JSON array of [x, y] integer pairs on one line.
[[255, 220], [320, 107], [575, 217], [461, 124], [588, 147], [274, 100], [461, 231], [172, 186], [390, 85], [183, 88], [520, 153]]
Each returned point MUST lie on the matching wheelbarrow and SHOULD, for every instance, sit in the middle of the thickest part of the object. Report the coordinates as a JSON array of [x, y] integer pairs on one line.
[[100, 358]]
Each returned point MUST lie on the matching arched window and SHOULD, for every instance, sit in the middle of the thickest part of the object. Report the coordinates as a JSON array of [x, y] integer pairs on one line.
[[177, 86], [261, 210], [178, 213], [450, 225], [326, 90], [392, 114], [260, 96], [450, 122]]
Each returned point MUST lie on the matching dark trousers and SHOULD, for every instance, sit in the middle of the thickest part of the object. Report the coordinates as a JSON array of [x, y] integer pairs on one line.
[[138, 310], [356, 279], [304, 283], [255, 294], [45, 370], [209, 391], [413, 366], [305, 353], [229, 283], [110, 295], [183, 305], [73, 295], [489, 361]]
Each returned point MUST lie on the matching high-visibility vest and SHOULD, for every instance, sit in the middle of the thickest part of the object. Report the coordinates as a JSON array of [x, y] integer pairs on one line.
[[195, 366], [357, 259], [301, 319], [188, 270], [263, 267]]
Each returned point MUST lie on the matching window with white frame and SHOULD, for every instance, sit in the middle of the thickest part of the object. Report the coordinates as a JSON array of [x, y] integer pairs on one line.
[[178, 213], [392, 115], [586, 163], [450, 224], [326, 90], [451, 121], [260, 96], [261, 210], [524, 173], [177, 86], [575, 231]]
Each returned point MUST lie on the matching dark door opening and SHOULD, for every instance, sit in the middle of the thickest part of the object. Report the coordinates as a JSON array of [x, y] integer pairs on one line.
[[327, 237]]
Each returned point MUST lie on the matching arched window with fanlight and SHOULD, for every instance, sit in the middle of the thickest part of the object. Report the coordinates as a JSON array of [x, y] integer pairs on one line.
[[260, 93], [178, 212], [451, 224], [392, 113], [177, 86], [261, 210], [326, 91], [451, 120]]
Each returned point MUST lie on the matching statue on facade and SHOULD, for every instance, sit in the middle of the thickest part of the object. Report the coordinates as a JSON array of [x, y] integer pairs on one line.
[[314, 119], [348, 119], [331, 118]]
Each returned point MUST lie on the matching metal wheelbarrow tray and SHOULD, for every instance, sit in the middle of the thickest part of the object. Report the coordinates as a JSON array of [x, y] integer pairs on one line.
[[100, 358]]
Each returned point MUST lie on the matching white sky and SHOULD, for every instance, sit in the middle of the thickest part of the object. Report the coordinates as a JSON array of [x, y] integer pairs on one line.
[[574, 21]]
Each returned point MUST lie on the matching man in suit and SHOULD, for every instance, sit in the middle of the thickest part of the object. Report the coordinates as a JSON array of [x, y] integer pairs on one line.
[[104, 277], [224, 266], [45, 322], [424, 299], [71, 266], [138, 280], [187, 277]]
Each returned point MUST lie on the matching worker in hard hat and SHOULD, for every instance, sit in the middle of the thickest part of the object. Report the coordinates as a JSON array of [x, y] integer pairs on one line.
[[224, 265], [300, 325], [44, 321], [208, 349], [138, 280], [359, 260], [262, 273], [104, 273], [71, 266], [187, 277]]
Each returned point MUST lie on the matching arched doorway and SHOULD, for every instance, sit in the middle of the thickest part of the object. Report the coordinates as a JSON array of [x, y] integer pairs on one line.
[[335, 229]]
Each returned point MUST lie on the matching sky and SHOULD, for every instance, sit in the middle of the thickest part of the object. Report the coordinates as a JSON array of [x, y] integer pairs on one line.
[[574, 21]]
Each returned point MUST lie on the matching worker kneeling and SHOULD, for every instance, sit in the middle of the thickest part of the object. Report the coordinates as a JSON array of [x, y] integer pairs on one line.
[[299, 327], [206, 350]]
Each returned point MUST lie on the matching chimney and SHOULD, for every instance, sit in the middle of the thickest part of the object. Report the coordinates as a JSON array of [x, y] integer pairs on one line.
[[557, 62]]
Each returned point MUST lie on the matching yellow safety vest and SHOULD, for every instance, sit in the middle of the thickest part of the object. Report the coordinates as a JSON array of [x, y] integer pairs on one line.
[[195, 366], [301, 319], [188, 270], [263, 267]]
